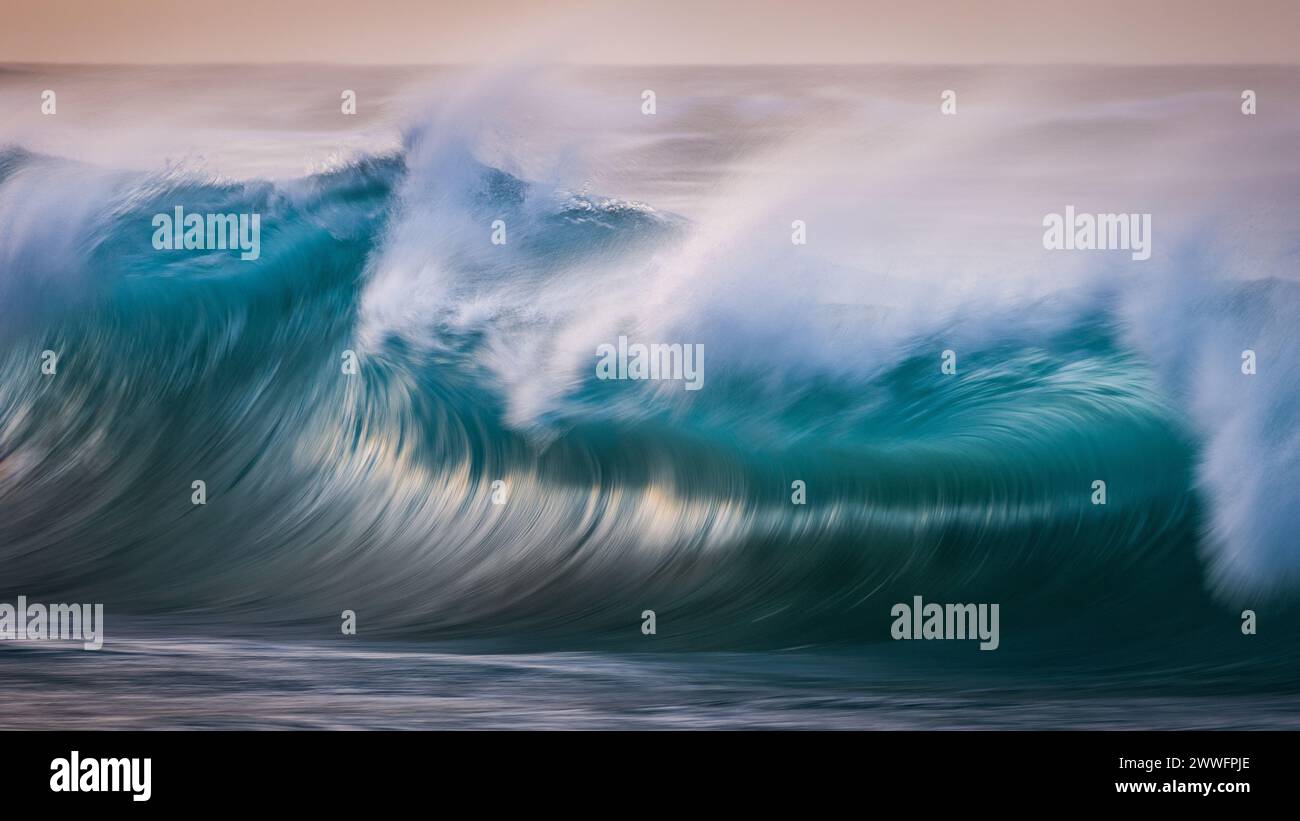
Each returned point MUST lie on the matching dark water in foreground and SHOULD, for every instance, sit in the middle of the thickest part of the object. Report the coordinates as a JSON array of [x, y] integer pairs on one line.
[[241, 684]]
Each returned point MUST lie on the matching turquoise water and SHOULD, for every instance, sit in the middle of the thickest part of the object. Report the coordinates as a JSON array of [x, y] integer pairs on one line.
[[373, 491]]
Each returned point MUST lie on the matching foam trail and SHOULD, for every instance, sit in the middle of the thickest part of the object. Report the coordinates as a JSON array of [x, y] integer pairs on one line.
[[477, 367]]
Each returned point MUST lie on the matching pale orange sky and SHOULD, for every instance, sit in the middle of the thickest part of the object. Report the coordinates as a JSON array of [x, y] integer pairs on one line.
[[651, 31]]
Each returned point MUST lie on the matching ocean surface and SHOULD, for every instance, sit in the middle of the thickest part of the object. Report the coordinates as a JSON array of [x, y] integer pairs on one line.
[[226, 684], [373, 492]]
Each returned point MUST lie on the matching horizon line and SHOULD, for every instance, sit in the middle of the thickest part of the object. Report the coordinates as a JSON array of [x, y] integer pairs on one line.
[[570, 64]]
